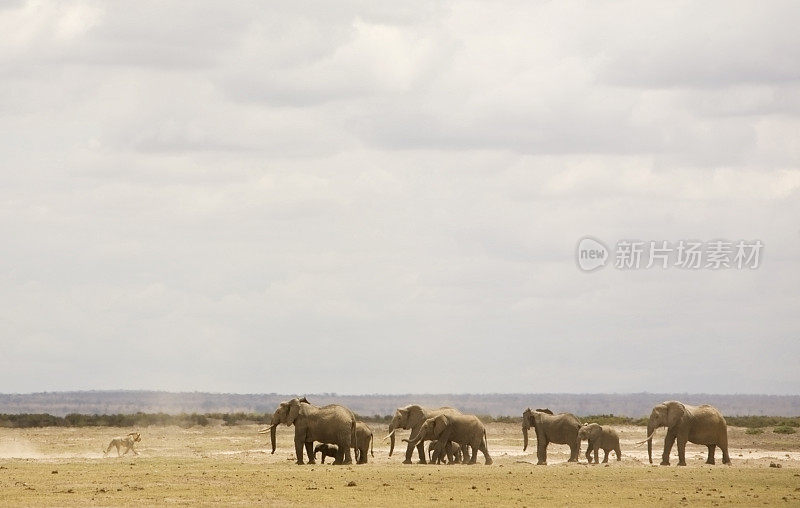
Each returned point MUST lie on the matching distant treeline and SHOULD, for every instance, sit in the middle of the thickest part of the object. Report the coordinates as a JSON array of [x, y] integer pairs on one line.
[[635, 405], [186, 420]]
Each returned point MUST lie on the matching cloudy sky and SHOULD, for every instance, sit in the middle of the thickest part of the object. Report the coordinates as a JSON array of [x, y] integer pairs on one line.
[[363, 197]]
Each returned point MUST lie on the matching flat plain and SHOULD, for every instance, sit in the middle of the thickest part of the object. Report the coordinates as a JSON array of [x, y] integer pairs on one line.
[[232, 465]]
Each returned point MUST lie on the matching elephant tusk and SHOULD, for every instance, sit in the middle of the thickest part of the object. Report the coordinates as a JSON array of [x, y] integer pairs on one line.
[[264, 431], [389, 435], [647, 438]]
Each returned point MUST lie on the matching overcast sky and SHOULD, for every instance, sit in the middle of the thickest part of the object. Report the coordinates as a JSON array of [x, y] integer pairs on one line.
[[387, 196]]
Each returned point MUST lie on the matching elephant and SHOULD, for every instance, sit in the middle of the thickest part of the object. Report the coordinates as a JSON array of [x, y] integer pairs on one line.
[[332, 424], [702, 425], [363, 442], [461, 429], [327, 450], [412, 417], [438, 456], [599, 438], [560, 429], [457, 451]]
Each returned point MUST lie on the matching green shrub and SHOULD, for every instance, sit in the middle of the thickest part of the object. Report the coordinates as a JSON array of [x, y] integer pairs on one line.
[[784, 429], [753, 430]]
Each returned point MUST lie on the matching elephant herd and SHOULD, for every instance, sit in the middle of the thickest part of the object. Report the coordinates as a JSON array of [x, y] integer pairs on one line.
[[458, 437]]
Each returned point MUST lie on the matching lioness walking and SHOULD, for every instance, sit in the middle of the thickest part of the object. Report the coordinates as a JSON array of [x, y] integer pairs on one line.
[[127, 442]]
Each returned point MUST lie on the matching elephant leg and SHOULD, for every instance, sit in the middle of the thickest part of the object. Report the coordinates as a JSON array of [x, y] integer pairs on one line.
[[596, 454], [682, 450], [669, 440], [299, 446], [541, 452], [474, 458], [617, 451], [410, 451], [589, 452], [487, 459], [711, 450], [605, 456], [420, 452], [348, 458], [451, 449], [312, 459], [722, 442], [574, 450]]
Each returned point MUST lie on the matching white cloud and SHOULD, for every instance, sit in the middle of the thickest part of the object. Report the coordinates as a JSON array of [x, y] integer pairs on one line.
[[236, 193]]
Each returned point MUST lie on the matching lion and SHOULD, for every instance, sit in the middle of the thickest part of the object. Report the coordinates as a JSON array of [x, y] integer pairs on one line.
[[127, 442]]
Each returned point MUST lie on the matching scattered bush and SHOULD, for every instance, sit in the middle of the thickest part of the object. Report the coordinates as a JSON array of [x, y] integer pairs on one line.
[[753, 430], [610, 419], [755, 422], [784, 429]]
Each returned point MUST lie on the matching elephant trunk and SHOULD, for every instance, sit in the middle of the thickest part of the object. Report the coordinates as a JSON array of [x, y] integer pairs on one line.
[[525, 437], [272, 436], [651, 428]]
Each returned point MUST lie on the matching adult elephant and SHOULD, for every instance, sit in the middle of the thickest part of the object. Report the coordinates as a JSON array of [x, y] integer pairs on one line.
[[412, 417], [460, 429], [332, 424], [702, 425], [560, 429]]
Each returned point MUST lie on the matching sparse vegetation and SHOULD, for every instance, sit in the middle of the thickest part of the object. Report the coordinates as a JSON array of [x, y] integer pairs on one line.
[[610, 419], [756, 422], [116, 420], [753, 431], [784, 429]]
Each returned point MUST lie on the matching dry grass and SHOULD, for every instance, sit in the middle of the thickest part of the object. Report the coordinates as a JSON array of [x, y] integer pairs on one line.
[[231, 465]]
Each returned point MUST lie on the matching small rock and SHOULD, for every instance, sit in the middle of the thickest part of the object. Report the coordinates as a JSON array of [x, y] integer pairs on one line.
[[351, 483], [773, 464], [54, 471]]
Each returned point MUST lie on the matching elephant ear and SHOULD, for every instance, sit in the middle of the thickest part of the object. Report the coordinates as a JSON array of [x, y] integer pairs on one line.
[[403, 412], [294, 410], [675, 413], [304, 399], [415, 415], [536, 423], [527, 420], [544, 410], [439, 424]]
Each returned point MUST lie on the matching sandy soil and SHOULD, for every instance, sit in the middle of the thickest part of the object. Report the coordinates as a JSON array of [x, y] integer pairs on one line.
[[232, 465]]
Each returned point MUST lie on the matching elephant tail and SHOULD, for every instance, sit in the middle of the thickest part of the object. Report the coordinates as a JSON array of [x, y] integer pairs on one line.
[[353, 441], [485, 440], [371, 442]]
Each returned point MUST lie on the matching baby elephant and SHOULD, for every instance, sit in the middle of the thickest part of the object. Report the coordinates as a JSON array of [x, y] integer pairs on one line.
[[327, 450], [450, 448], [599, 438]]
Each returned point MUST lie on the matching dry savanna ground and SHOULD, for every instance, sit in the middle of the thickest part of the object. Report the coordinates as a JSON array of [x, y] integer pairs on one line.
[[232, 465]]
